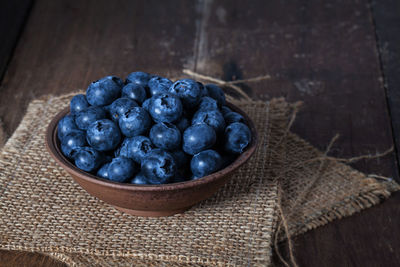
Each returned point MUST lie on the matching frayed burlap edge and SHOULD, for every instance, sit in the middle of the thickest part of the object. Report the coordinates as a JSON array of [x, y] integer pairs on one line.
[[64, 253], [374, 192]]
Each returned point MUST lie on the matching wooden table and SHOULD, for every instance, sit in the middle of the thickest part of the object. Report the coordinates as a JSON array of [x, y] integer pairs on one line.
[[341, 58]]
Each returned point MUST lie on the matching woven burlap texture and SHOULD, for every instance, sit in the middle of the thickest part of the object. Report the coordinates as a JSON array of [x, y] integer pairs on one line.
[[42, 209]]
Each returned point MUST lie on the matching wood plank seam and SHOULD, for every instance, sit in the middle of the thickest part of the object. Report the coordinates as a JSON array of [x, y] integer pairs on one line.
[[384, 81]]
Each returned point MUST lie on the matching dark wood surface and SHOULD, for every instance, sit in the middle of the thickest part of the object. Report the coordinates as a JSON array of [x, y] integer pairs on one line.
[[386, 18], [329, 55], [13, 15]]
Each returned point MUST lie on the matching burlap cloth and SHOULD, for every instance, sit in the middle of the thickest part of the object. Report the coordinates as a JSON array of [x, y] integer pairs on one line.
[[42, 209]]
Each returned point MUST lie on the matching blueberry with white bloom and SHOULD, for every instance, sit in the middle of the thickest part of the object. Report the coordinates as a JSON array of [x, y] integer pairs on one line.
[[104, 91], [188, 91], [78, 103], [205, 163], [136, 121], [165, 107], [103, 135], [237, 137]]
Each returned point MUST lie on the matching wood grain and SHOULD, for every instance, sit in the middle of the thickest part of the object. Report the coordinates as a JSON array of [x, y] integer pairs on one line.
[[13, 15], [324, 54], [366, 239], [66, 45], [385, 16], [27, 259]]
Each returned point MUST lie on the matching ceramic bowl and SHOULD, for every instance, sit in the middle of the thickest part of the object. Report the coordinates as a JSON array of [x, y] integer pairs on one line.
[[149, 200]]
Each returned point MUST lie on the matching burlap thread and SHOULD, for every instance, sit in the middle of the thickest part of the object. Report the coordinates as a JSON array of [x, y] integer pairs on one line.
[[42, 209]]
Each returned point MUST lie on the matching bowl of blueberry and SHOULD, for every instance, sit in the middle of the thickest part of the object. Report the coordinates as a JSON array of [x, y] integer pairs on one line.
[[150, 146]]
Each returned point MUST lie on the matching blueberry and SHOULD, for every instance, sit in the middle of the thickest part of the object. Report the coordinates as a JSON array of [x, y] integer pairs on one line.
[[66, 125], [211, 117], [146, 104], [165, 135], [165, 107], [103, 135], [120, 106], [182, 124], [203, 89], [208, 103], [158, 85], [71, 141], [86, 117], [181, 158], [159, 166], [88, 159], [139, 179], [236, 138], [138, 77], [197, 138], [216, 92], [188, 91], [136, 148], [67, 151], [205, 163], [78, 103], [103, 171], [225, 109], [135, 92], [135, 121], [104, 91], [116, 80], [232, 117], [122, 169]]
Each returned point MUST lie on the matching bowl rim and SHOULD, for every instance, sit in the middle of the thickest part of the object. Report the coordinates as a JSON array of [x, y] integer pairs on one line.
[[55, 152]]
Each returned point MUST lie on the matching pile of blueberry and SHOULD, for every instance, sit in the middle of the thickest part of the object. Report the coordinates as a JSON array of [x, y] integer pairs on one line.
[[150, 130]]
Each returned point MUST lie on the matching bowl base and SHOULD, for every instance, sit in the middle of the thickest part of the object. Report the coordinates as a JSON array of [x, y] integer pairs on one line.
[[152, 213]]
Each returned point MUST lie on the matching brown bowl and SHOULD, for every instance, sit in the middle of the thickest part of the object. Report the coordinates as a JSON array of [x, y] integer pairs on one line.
[[148, 200]]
